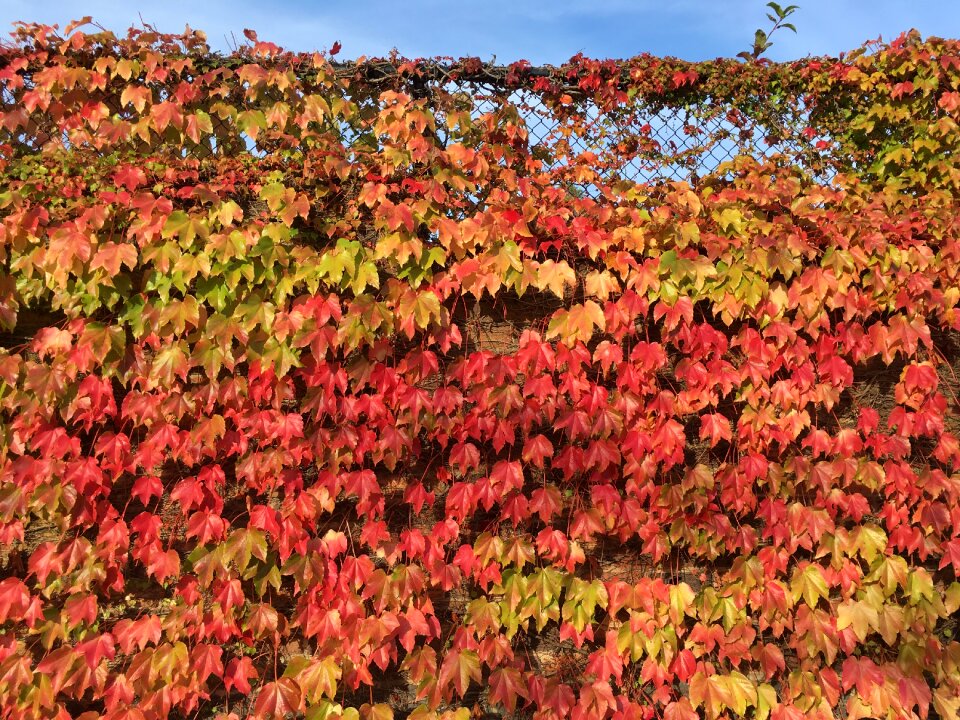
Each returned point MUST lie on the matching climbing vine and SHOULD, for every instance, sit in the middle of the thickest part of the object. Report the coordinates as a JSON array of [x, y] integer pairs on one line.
[[324, 393]]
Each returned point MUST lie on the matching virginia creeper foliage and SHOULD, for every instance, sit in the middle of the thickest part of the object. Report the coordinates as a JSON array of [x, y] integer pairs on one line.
[[327, 397]]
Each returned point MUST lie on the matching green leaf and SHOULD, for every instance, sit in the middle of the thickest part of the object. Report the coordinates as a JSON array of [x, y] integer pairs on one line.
[[583, 598], [184, 227], [251, 122]]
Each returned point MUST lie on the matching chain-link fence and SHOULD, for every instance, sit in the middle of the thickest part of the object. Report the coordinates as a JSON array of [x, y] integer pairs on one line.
[[638, 138]]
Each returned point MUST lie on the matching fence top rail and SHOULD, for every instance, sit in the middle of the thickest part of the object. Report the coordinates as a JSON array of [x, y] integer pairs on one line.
[[643, 74]]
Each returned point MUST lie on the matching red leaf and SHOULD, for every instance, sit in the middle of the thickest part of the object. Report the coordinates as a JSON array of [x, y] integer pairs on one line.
[[238, 674], [559, 698], [684, 78], [863, 673], [81, 608], [951, 555], [535, 449], [506, 476], [146, 487], [771, 660], [205, 526], [716, 427], [680, 710], [417, 496], [137, 633], [460, 501], [949, 101], [459, 668], [165, 114], [130, 177], [684, 665], [14, 598], [506, 687], [291, 426], [97, 648], [205, 661], [606, 661], [278, 698], [162, 564]]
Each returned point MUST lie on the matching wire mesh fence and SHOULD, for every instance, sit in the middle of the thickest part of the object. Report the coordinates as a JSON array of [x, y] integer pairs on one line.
[[637, 138]]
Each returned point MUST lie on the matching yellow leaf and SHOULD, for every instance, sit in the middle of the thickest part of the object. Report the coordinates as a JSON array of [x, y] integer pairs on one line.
[[228, 213], [125, 68], [870, 541], [681, 600], [712, 692], [380, 711], [809, 584], [319, 678], [601, 284], [426, 307], [947, 702], [730, 220], [689, 233], [577, 323], [951, 598], [742, 692], [632, 238], [555, 276], [766, 701], [858, 615]]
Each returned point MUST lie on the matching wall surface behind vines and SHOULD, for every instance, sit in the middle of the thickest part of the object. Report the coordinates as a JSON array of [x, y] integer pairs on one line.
[[403, 389]]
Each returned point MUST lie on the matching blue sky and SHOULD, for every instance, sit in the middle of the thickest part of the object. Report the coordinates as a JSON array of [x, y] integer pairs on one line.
[[542, 32]]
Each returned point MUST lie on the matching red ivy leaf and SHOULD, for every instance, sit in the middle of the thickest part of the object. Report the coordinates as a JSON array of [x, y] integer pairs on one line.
[[715, 427], [278, 698], [238, 674], [458, 669], [506, 687]]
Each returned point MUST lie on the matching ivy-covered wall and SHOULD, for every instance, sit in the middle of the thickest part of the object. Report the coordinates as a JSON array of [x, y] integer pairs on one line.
[[324, 391]]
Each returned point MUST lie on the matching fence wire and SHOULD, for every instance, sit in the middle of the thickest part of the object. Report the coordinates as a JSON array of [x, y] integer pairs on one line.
[[638, 140]]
